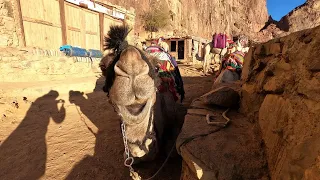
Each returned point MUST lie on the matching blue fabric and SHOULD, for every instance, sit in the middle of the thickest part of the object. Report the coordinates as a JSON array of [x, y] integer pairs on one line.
[[95, 53], [80, 52], [74, 51]]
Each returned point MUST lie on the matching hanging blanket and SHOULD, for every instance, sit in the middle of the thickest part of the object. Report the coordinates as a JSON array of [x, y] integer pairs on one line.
[[168, 72]]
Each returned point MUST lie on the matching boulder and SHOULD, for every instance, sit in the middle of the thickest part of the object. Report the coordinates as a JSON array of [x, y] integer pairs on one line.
[[225, 96], [227, 76], [283, 99]]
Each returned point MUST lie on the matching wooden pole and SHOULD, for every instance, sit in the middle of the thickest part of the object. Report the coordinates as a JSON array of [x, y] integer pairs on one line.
[[63, 22], [101, 25], [21, 27]]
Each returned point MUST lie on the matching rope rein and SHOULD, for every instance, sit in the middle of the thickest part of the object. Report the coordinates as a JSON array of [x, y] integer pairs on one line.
[[128, 162]]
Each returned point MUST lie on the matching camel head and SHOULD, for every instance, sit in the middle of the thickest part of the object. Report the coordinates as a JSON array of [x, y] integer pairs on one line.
[[131, 85]]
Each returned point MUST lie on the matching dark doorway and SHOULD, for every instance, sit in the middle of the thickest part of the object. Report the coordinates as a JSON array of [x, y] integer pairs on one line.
[[173, 46], [180, 49]]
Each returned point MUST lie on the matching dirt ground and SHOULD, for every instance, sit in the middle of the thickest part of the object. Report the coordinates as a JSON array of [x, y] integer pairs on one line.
[[75, 136]]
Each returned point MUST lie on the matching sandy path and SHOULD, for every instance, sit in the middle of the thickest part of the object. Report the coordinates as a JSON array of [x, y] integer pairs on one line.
[[48, 140]]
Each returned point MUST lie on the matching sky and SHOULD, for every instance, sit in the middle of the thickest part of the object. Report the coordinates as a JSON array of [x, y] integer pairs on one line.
[[279, 8]]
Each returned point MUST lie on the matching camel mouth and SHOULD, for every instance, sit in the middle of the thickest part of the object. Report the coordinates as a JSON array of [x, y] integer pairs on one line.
[[136, 109], [137, 112]]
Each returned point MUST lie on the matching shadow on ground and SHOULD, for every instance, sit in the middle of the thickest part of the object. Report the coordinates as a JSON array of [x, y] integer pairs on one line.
[[23, 155], [107, 161]]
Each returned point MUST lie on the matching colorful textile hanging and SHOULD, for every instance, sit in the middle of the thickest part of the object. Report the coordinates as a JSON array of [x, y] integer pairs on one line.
[[168, 72], [219, 41], [233, 61]]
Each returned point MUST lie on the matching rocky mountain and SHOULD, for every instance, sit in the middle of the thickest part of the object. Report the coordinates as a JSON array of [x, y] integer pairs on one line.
[[205, 17], [302, 17]]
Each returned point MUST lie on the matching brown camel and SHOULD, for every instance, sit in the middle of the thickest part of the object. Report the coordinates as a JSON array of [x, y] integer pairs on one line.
[[131, 83]]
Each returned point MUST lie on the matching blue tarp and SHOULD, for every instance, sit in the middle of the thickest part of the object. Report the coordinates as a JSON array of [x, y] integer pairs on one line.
[[80, 52], [95, 53]]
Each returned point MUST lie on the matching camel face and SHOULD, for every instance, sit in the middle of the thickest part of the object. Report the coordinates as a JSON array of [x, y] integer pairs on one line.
[[133, 94], [132, 85]]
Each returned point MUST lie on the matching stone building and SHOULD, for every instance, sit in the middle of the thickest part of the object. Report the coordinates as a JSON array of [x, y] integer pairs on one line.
[[184, 48]]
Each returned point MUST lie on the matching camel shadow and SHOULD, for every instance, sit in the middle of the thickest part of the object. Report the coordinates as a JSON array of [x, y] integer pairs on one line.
[[23, 154], [107, 160]]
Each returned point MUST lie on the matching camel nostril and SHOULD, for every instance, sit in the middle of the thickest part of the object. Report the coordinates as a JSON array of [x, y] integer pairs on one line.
[[135, 109]]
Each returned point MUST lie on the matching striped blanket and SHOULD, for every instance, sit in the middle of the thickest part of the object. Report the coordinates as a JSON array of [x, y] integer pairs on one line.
[[233, 61]]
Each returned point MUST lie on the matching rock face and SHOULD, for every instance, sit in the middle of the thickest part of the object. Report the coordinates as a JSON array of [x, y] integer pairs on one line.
[[281, 94], [303, 17], [203, 18]]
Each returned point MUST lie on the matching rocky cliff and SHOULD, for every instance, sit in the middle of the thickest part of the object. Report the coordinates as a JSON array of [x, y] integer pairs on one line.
[[281, 95], [203, 18], [303, 17]]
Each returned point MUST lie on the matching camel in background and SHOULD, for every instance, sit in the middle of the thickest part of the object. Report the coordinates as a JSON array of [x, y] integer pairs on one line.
[[217, 54]]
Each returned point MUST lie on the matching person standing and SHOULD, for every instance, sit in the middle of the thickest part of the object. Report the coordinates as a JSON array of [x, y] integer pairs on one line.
[[163, 44]]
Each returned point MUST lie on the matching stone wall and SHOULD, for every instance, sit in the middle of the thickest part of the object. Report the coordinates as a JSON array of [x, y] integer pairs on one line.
[[8, 30], [35, 65], [281, 93]]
